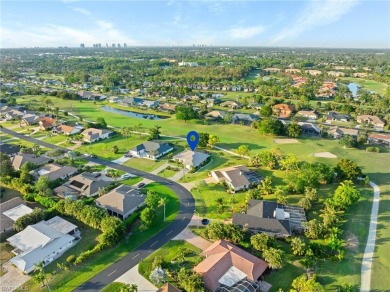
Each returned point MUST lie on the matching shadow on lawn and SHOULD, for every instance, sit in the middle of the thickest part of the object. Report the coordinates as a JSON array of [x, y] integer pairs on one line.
[[234, 146]]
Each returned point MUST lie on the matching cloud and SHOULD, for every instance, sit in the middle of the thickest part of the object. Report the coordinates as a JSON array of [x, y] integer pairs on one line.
[[52, 35], [317, 13], [245, 32], [81, 10]]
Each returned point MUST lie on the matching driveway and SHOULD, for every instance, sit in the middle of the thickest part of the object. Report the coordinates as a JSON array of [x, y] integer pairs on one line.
[[121, 160], [13, 279], [133, 277], [192, 238]]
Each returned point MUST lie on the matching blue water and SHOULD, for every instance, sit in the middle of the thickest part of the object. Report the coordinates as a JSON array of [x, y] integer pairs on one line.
[[132, 114], [353, 87]]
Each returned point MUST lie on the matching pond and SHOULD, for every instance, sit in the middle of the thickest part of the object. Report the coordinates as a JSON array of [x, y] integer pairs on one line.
[[353, 87], [133, 114], [253, 74]]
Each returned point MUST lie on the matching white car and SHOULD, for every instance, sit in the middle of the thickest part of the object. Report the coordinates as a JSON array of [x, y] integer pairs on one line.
[[126, 175]]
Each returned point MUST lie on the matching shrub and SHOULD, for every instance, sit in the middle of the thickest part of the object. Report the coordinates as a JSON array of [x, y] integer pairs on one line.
[[373, 149], [70, 259]]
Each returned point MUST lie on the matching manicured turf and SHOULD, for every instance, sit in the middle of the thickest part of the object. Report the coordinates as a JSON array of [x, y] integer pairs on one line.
[[131, 181], [170, 252], [368, 84], [167, 173], [68, 280]]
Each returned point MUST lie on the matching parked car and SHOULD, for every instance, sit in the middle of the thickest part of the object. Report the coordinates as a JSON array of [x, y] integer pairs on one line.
[[126, 175], [205, 221], [140, 185], [96, 174]]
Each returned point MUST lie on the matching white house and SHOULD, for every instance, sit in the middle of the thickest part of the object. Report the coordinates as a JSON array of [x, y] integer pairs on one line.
[[93, 135], [42, 242], [151, 150], [191, 159]]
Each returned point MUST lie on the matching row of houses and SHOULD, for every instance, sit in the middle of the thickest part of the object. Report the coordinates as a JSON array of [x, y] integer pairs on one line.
[[42, 242]]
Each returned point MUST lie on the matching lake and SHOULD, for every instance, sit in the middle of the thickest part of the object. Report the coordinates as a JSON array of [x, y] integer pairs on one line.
[[353, 87], [253, 74], [133, 114]]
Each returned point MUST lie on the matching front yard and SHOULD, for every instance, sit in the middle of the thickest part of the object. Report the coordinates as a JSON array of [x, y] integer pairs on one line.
[[176, 254]]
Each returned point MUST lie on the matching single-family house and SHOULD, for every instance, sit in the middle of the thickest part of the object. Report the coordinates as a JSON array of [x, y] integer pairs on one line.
[[192, 159], [232, 104], [244, 119], [9, 149], [86, 94], [168, 287], [370, 120], [114, 99], [379, 138], [336, 73], [42, 242], [271, 218], [85, 184], [151, 149], [55, 171], [122, 201], [13, 114], [215, 115], [283, 110], [227, 267], [339, 132], [29, 119], [91, 135], [307, 114], [237, 177], [314, 72], [271, 70], [46, 123], [11, 211], [309, 129], [131, 101], [68, 130], [333, 116], [149, 103], [21, 158], [167, 107]]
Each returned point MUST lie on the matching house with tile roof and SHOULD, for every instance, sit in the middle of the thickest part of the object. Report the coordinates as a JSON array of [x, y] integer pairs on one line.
[[168, 287], [54, 171], [339, 132], [122, 201], [192, 159], [46, 123], [282, 110], [91, 135], [271, 218], [237, 177], [21, 158], [151, 150], [85, 184], [226, 264], [370, 120], [379, 138], [68, 130]]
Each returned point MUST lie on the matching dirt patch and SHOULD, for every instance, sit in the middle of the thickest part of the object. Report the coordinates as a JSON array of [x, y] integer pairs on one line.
[[352, 242], [325, 155], [285, 141]]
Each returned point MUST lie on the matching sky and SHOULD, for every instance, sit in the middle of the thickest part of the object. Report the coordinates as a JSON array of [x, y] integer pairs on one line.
[[311, 23]]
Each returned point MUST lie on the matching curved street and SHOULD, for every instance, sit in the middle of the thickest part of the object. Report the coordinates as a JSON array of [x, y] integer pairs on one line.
[[187, 208]]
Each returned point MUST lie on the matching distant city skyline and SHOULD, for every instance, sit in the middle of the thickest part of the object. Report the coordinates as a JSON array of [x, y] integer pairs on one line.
[[312, 23]]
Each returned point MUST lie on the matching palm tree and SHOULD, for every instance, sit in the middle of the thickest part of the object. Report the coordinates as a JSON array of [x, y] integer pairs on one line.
[[162, 202], [41, 276]]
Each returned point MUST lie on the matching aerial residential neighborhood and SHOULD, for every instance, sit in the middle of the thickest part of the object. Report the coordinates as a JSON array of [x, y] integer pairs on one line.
[[194, 146]]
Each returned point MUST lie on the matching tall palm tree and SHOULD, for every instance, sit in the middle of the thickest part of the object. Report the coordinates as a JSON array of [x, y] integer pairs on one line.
[[162, 202]]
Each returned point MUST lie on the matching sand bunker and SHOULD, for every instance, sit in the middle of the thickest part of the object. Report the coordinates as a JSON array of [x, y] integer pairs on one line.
[[285, 141], [325, 155]]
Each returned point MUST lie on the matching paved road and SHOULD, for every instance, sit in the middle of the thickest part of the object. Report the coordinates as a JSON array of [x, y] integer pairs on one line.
[[365, 284], [187, 207]]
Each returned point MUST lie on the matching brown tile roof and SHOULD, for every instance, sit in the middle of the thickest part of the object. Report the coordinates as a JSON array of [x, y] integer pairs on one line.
[[65, 129], [221, 256], [168, 287], [46, 122]]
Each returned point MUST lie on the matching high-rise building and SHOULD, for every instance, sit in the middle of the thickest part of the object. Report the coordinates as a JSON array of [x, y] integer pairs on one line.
[[106, 45], [82, 46], [113, 45], [125, 45], [119, 45]]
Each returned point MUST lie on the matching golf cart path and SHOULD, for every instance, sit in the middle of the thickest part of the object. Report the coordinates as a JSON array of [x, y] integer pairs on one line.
[[365, 282]]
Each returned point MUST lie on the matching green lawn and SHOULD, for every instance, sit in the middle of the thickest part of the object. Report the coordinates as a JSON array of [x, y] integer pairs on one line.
[[69, 280], [167, 173], [5, 255], [131, 181], [368, 84], [144, 164], [55, 139], [114, 287], [172, 261], [207, 206]]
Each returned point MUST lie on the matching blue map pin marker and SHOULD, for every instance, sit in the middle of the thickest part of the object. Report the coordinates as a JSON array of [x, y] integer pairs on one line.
[[193, 139]]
